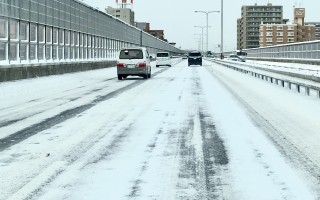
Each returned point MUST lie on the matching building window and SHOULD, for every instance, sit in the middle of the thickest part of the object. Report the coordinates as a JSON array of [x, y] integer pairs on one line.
[[290, 33], [290, 27], [269, 40], [279, 27], [290, 39], [279, 39], [269, 34], [3, 29], [279, 33], [269, 27]]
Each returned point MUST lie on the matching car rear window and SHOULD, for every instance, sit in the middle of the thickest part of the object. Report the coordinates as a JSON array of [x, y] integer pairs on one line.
[[194, 54], [131, 54], [162, 55]]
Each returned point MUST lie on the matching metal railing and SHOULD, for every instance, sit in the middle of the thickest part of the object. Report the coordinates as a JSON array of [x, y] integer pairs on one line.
[[286, 83]]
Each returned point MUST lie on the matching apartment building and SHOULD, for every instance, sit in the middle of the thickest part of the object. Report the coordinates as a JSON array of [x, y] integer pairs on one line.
[[248, 25], [317, 28], [274, 34], [124, 14]]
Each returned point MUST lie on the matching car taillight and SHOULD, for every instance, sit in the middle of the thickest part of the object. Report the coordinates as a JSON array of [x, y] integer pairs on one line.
[[142, 64], [120, 65]]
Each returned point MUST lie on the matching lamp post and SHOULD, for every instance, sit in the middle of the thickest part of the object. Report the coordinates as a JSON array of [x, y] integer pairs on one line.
[[202, 27], [207, 15], [199, 40], [221, 47]]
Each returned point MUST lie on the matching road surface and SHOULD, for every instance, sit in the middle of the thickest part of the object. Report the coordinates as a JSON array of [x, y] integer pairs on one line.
[[187, 133]]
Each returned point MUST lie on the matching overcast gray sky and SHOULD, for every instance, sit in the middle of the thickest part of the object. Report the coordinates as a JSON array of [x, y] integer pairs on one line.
[[177, 17]]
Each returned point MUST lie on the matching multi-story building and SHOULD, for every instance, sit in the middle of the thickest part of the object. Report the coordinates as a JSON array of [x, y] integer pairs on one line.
[[249, 23], [274, 34], [146, 28], [317, 28], [124, 14], [158, 34]]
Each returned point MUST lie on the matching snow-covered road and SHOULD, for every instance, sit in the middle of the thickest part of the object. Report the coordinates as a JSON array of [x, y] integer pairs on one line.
[[187, 133]]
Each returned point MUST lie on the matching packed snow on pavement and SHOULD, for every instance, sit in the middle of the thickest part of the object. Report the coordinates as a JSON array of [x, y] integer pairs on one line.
[[187, 133]]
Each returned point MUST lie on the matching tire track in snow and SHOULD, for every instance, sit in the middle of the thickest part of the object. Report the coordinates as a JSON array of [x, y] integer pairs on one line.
[[204, 158]]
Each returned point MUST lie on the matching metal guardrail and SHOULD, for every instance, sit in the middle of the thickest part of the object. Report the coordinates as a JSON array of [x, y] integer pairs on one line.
[[290, 84]]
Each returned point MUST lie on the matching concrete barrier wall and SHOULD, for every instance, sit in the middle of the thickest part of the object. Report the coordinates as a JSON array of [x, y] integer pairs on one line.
[[17, 72]]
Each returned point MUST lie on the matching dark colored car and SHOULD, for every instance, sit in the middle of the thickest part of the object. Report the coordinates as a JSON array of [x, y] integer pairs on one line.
[[194, 58]]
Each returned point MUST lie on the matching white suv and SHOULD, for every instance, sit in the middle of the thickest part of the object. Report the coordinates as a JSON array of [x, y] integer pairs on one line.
[[134, 62], [163, 58]]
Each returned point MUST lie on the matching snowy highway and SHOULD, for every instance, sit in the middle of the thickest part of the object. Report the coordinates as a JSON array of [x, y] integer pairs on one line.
[[187, 133]]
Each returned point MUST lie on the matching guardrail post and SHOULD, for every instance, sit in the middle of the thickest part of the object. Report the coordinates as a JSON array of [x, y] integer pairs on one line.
[[318, 94], [282, 83], [271, 80], [289, 85], [298, 88], [307, 91]]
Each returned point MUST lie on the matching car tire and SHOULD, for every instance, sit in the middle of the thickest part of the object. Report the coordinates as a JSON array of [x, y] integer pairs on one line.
[[169, 65], [119, 77], [157, 65], [149, 75]]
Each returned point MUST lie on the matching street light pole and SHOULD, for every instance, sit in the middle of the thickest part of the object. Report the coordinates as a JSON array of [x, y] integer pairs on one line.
[[221, 47], [207, 15], [202, 27]]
